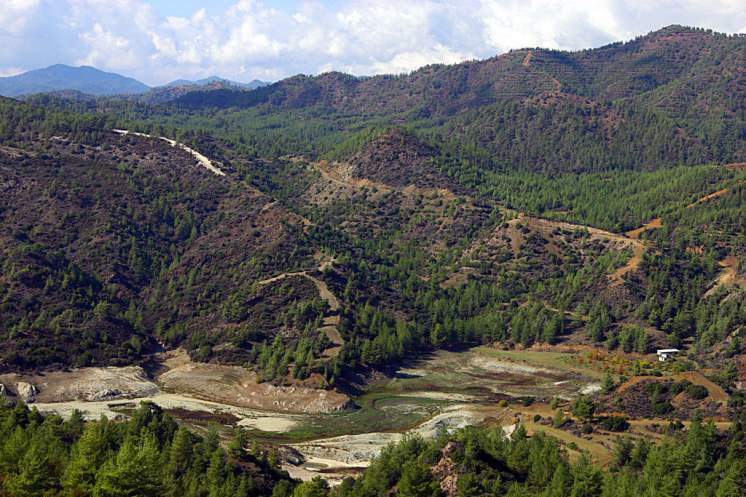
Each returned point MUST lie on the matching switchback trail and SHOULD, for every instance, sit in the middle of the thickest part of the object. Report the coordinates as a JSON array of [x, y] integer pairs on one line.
[[330, 323], [546, 226]]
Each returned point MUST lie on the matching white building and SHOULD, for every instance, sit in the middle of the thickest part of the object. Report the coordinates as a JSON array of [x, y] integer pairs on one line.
[[664, 354]]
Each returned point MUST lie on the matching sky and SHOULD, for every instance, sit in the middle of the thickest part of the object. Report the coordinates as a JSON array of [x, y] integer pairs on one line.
[[157, 41]]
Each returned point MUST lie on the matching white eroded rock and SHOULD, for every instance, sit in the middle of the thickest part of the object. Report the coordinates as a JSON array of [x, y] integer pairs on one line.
[[26, 391]]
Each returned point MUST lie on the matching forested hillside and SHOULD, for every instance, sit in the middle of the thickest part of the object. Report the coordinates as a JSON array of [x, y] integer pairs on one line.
[[92, 233], [150, 455], [420, 245], [504, 242], [675, 96]]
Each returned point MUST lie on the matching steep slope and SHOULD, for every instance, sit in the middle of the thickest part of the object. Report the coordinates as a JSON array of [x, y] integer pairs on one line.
[[180, 87], [102, 245], [435, 236]]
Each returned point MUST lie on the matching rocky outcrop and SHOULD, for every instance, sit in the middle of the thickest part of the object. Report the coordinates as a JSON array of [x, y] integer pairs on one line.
[[26, 391], [291, 455], [104, 394], [87, 384], [445, 471]]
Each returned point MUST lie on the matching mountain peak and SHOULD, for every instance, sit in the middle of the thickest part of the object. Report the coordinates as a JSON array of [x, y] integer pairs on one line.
[[62, 77], [399, 158]]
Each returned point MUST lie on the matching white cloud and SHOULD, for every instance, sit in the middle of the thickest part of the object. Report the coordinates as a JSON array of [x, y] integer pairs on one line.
[[10, 71], [15, 14], [405, 61], [253, 39], [107, 49]]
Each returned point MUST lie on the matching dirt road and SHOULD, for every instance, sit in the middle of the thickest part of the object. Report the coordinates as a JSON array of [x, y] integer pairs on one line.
[[546, 226], [201, 159], [650, 225], [329, 327], [708, 197]]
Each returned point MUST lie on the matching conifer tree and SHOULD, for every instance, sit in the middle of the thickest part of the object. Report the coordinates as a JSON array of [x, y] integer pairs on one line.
[[134, 471]]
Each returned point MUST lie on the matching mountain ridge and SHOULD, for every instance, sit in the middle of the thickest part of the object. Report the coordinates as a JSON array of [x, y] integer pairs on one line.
[[647, 62], [254, 83], [81, 81], [61, 77]]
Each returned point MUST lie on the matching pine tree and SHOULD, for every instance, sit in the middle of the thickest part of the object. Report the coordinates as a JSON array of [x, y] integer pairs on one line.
[[607, 385], [584, 408], [88, 454], [588, 479], [38, 469], [417, 481], [133, 472], [179, 460], [318, 487]]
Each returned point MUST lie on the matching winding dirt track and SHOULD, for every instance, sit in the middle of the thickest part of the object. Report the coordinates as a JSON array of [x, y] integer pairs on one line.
[[622, 241], [547, 226], [710, 196], [201, 159], [330, 323]]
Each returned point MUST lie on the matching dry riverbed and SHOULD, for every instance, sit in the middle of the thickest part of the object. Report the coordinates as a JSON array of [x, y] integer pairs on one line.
[[445, 391]]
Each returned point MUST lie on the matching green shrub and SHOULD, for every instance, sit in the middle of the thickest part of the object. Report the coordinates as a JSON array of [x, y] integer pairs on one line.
[[697, 392], [680, 386], [662, 408], [615, 423]]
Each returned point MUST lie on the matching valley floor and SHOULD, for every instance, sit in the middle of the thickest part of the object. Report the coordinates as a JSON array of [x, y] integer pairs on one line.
[[444, 391]]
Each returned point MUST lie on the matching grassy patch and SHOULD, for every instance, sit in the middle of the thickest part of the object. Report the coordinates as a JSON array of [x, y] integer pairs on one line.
[[378, 412], [562, 361]]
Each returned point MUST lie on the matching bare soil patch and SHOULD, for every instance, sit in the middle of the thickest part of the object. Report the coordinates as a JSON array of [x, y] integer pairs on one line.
[[708, 197], [527, 59], [728, 275], [237, 386], [203, 417], [652, 224], [716, 391], [86, 384]]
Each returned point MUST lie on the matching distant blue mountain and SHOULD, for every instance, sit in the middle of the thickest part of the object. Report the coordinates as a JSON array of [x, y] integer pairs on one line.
[[212, 80], [60, 77]]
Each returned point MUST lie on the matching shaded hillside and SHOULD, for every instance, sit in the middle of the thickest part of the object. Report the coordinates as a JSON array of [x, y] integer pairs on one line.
[[338, 239], [394, 227], [103, 245], [180, 87]]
